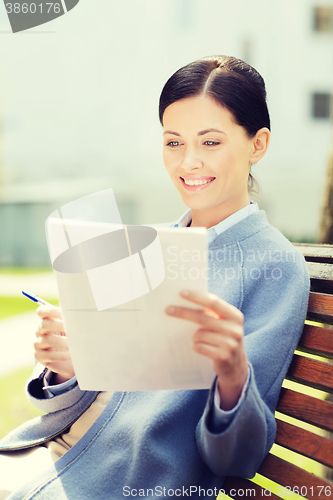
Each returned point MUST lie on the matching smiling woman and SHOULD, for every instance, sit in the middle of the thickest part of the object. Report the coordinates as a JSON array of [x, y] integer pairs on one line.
[[214, 162], [217, 125], [183, 443]]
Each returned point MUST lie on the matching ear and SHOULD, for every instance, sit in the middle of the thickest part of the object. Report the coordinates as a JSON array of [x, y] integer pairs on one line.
[[260, 144]]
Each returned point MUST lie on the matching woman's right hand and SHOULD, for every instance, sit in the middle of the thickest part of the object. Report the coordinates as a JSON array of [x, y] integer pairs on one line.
[[51, 346]]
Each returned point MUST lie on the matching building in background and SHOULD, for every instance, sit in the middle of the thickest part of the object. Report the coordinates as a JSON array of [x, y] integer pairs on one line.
[[79, 99]]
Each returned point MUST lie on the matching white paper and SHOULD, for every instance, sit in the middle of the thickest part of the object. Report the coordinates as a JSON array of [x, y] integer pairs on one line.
[[135, 345]]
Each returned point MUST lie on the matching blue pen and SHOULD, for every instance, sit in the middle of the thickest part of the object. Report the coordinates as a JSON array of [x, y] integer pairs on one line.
[[39, 300], [35, 298]]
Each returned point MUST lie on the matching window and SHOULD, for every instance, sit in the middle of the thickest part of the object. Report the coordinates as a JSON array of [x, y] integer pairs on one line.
[[321, 105], [323, 19]]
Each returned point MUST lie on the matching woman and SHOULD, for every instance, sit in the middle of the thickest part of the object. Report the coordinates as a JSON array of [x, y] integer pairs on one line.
[[183, 443]]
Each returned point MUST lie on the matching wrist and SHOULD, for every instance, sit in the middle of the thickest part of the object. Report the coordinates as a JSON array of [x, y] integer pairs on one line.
[[231, 390], [57, 379]]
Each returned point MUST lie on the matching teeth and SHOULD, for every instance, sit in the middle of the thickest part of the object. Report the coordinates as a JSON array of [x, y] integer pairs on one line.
[[196, 182]]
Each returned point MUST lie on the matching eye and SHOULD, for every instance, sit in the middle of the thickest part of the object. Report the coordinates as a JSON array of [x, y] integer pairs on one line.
[[173, 144], [211, 143]]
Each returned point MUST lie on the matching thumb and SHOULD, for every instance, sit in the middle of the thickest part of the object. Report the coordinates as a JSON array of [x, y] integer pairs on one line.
[[48, 312]]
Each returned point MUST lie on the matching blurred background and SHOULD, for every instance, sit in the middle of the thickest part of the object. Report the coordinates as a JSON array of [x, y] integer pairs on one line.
[[79, 99], [79, 113]]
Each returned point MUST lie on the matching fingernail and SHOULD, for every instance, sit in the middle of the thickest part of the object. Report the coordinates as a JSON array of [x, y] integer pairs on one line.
[[170, 310], [184, 293]]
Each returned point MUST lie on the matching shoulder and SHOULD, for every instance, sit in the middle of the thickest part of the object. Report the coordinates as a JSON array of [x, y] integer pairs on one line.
[[265, 244], [273, 269], [257, 241], [271, 264]]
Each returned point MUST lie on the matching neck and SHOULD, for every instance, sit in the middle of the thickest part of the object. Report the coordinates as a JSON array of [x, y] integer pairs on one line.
[[209, 217]]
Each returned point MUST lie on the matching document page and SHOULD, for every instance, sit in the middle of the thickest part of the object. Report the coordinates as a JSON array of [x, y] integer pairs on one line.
[[113, 305]]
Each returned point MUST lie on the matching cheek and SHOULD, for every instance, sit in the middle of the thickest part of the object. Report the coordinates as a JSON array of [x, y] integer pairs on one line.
[[169, 161], [222, 163], [165, 159], [235, 161]]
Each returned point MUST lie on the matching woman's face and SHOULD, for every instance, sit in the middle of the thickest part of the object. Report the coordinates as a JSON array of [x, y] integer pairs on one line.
[[207, 155]]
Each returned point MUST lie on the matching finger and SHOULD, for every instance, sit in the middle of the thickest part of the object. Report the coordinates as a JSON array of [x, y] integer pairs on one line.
[[47, 342], [48, 326], [213, 302], [233, 336], [48, 312], [206, 350], [47, 357], [195, 315], [208, 322], [224, 353], [206, 337], [52, 325], [63, 368]]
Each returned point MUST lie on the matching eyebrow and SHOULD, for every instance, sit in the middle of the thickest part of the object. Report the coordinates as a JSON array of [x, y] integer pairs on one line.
[[202, 132]]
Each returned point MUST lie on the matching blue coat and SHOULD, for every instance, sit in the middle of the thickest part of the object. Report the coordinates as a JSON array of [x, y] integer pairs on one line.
[[165, 443]]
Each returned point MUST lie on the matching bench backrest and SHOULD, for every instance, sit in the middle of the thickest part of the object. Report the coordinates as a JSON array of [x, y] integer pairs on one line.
[[305, 409]]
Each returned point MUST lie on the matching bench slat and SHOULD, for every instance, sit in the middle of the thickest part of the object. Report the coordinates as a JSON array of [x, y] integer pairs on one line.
[[240, 488], [321, 277], [320, 271], [306, 408], [314, 373], [311, 372], [305, 442], [320, 307], [316, 253], [287, 474], [317, 340]]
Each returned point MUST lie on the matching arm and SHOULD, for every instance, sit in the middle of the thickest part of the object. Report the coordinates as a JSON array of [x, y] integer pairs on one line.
[[273, 321], [220, 337], [274, 312], [54, 366]]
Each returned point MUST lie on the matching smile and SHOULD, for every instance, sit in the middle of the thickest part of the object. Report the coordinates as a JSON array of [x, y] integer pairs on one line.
[[196, 184]]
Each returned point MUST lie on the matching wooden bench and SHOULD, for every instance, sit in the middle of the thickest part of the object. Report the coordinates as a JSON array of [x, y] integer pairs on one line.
[[295, 407]]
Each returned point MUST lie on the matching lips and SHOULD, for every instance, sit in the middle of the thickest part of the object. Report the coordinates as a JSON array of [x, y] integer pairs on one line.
[[196, 187]]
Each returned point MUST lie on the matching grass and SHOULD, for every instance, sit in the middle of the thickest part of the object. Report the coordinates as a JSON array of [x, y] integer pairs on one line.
[[15, 408], [24, 270], [10, 306], [14, 405]]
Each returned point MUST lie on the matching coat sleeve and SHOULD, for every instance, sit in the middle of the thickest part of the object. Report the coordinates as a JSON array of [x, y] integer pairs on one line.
[[274, 310], [42, 400]]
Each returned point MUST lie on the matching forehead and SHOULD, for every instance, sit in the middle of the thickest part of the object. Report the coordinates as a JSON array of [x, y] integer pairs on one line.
[[197, 113]]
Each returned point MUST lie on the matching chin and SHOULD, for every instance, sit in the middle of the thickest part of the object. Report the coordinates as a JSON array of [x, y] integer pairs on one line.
[[197, 204]]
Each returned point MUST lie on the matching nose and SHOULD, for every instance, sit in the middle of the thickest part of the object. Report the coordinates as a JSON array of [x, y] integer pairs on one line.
[[191, 159]]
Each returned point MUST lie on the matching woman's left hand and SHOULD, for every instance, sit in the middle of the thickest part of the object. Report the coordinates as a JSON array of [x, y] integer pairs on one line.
[[220, 337]]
